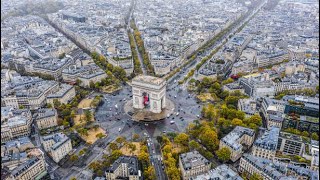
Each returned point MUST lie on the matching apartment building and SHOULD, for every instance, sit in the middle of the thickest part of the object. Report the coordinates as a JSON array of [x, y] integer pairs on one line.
[[234, 140], [64, 95], [125, 167], [273, 170], [13, 153], [290, 144], [248, 106], [221, 172], [15, 123], [33, 168], [46, 118], [193, 164], [57, 145], [266, 145]]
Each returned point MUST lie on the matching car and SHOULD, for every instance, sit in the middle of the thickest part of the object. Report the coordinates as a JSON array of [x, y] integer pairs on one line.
[[164, 131], [177, 114], [171, 122], [119, 129]]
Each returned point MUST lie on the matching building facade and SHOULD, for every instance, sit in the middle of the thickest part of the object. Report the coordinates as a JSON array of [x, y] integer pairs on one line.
[[57, 145], [149, 92], [193, 164], [125, 167], [234, 140], [46, 118]]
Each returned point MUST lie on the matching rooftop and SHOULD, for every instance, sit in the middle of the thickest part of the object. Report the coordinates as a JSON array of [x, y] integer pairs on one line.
[[149, 80], [232, 138], [269, 139], [222, 172], [192, 159]]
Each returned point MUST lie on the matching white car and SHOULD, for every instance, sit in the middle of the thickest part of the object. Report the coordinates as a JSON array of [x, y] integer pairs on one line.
[[171, 122], [119, 129], [177, 114]]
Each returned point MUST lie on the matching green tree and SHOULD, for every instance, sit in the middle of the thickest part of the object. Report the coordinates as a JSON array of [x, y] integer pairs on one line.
[[149, 173], [193, 145], [315, 136], [182, 139], [305, 133], [87, 115], [135, 137], [236, 122], [113, 146], [255, 176], [120, 140], [74, 157], [223, 154]]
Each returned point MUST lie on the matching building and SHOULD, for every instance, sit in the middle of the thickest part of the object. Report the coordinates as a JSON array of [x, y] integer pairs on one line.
[[302, 105], [15, 123], [57, 145], [248, 106], [13, 153], [149, 92], [301, 122], [232, 87], [290, 144], [259, 86], [63, 95], [221, 172], [46, 118], [234, 140], [84, 73], [125, 167], [274, 118], [266, 145], [33, 168], [273, 111], [193, 164], [273, 170]]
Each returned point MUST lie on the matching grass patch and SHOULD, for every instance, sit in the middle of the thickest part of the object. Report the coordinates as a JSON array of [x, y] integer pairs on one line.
[[91, 138]]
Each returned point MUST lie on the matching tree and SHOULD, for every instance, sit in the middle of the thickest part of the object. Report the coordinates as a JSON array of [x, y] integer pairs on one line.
[[305, 133], [149, 173], [232, 100], [315, 136], [113, 146], [143, 156], [223, 154], [209, 138], [100, 135], [236, 122], [91, 84], [193, 145], [88, 115], [132, 147], [182, 139], [73, 178], [255, 176], [74, 157], [120, 140], [81, 152], [135, 137], [227, 81]]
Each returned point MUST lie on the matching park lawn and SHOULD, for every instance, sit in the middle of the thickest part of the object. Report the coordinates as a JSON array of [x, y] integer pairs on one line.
[[76, 119], [91, 138], [85, 103], [205, 97], [126, 151], [110, 89]]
